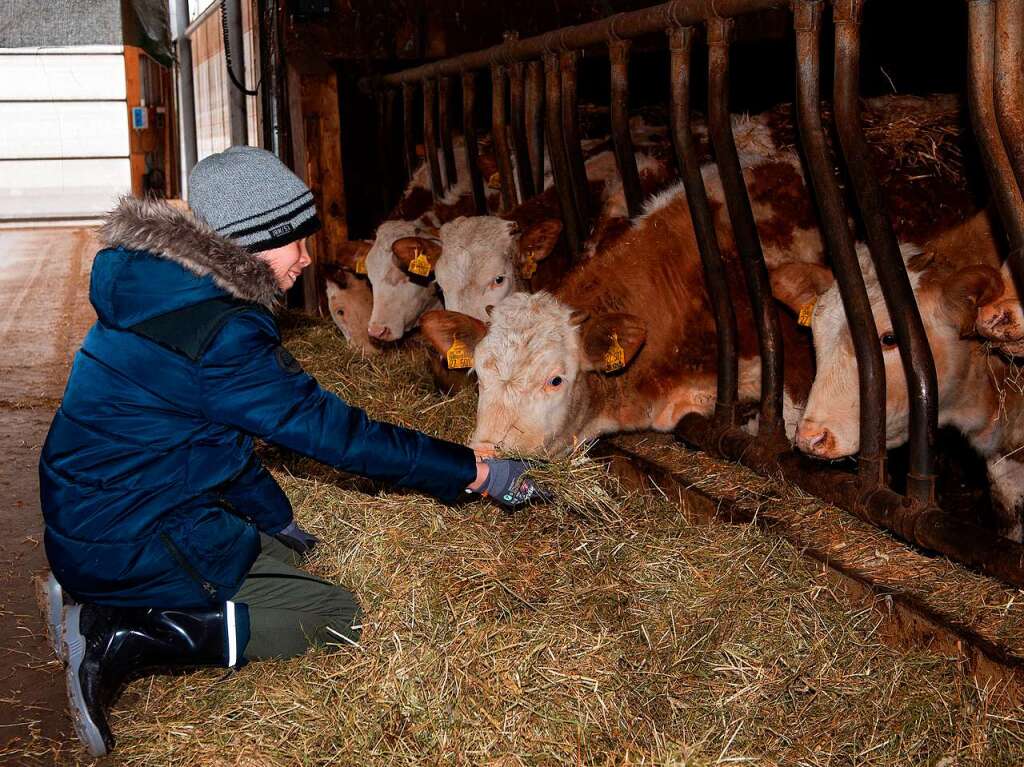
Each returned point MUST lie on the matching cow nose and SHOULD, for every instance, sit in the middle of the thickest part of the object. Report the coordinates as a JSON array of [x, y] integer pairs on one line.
[[993, 317], [380, 332], [814, 439]]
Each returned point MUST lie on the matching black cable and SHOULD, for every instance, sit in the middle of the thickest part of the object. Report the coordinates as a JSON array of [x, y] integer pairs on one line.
[[227, 54]]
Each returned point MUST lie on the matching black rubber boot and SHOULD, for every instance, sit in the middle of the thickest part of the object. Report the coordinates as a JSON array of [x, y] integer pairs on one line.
[[106, 647]]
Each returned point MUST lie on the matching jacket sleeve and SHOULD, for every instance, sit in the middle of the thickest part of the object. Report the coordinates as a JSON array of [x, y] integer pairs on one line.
[[250, 382]]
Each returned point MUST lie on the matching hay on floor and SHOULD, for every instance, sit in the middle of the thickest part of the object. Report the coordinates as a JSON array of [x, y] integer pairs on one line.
[[554, 637]]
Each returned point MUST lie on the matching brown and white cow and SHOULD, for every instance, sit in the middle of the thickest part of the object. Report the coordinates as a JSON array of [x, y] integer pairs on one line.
[[627, 342], [951, 276], [350, 301]]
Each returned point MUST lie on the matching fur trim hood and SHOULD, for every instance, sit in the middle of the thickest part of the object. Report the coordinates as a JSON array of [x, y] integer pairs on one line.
[[160, 228]]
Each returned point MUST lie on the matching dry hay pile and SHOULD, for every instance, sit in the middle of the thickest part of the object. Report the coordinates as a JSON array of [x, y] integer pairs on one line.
[[627, 636]]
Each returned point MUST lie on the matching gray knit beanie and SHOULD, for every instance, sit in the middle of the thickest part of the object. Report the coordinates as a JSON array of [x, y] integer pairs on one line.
[[252, 197]]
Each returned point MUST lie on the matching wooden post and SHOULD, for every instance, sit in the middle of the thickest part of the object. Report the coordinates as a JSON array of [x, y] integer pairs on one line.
[[133, 98], [316, 147]]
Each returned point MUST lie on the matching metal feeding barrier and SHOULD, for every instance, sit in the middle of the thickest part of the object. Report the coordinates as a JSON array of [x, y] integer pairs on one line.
[[535, 79]]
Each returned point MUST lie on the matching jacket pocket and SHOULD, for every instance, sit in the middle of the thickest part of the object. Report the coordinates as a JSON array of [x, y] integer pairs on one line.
[[208, 588]]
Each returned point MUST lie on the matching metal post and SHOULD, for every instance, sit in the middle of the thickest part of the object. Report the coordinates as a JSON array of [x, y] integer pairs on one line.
[[476, 182], [430, 138], [915, 353], [271, 70], [236, 98], [499, 133], [559, 160], [517, 97], [625, 157], [186, 94], [408, 136], [535, 122], [870, 367], [681, 44], [567, 61], [444, 126], [741, 215]]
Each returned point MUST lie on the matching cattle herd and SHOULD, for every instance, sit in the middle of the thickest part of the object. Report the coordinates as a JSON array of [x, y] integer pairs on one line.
[[623, 338]]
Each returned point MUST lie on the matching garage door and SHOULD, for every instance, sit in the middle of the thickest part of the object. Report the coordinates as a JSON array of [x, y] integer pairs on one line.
[[63, 132]]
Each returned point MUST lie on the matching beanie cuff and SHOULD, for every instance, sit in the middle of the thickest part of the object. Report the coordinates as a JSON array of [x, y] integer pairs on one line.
[[303, 230]]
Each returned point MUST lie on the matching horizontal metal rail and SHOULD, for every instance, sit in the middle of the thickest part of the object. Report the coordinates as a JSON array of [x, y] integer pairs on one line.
[[624, 25]]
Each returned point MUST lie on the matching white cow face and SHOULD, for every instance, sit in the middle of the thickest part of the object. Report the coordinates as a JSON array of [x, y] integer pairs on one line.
[[350, 301], [947, 301], [398, 301], [482, 259], [532, 363]]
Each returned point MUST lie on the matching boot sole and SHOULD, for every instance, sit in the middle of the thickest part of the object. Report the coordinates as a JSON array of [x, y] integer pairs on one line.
[[50, 598], [74, 647]]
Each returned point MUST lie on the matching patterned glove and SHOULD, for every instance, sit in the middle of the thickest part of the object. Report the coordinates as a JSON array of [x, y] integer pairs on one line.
[[297, 539], [507, 486]]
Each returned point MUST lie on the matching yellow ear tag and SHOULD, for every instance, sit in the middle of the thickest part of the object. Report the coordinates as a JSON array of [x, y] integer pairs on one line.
[[615, 357], [459, 356], [529, 267], [806, 312], [494, 182], [361, 265], [420, 264]]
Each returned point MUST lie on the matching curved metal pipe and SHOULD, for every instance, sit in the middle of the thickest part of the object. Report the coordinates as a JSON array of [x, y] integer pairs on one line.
[[748, 243], [517, 98], [915, 353], [1008, 88], [571, 136], [476, 182], [625, 157], [499, 134], [681, 45], [430, 138], [559, 160], [408, 140], [870, 367], [445, 128], [535, 122]]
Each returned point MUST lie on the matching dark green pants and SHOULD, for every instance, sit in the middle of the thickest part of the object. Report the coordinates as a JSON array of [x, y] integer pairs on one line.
[[291, 610]]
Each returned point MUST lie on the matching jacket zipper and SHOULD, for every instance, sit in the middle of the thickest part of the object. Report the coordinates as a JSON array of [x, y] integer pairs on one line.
[[187, 566]]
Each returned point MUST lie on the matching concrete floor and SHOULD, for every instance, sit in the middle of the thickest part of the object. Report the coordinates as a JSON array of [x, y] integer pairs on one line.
[[44, 314]]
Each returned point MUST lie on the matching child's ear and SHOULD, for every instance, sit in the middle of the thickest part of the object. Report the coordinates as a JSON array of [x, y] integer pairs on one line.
[[416, 255], [610, 341], [351, 255], [536, 244], [453, 334]]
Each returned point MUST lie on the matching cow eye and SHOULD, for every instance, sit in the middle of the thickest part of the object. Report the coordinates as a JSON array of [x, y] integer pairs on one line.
[[555, 382], [888, 341], [341, 312], [499, 280]]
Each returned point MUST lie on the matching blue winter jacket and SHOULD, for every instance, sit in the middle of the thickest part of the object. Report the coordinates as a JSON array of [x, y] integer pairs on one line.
[[150, 490]]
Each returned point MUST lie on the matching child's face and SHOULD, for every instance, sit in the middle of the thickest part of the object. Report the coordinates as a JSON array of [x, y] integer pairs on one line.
[[288, 261]]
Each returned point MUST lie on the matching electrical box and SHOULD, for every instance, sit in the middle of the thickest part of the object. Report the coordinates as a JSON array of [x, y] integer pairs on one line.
[[140, 118]]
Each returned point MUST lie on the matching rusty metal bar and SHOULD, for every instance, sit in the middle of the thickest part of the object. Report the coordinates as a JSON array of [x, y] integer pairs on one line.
[[383, 150], [408, 136], [390, 99], [870, 367], [748, 243], [1008, 93], [627, 25], [517, 99], [568, 61], [535, 122], [681, 45], [444, 126], [625, 157], [430, 138], [559, 159], [499, 133], [915, 353], [980, 86], [476, 182]]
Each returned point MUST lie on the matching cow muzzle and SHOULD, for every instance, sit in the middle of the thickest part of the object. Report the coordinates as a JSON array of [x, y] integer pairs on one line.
[[380, 332], [1000, 321], [817, 440]]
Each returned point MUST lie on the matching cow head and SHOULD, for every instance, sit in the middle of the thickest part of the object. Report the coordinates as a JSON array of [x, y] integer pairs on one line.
[[947, 299], [349, 300], [535, 364], [398, 301], [483, 259]]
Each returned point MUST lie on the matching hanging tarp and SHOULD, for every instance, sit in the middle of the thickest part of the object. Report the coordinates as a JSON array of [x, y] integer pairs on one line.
[[61, 23]]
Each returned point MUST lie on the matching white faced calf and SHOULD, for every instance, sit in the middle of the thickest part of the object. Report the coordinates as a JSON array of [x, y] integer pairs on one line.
[[972, 394]]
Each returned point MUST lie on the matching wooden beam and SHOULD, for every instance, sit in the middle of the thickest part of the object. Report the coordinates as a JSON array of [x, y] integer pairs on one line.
[[316, 147], [133, 97]]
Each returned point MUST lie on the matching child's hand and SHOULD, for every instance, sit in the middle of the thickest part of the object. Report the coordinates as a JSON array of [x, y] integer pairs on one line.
[[505, 484]]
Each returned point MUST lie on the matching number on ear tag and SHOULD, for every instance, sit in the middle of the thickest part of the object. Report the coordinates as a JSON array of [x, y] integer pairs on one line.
[[361, 265], [615, 357], [806, 312], [529, 267], [420, 264], [459, 356]]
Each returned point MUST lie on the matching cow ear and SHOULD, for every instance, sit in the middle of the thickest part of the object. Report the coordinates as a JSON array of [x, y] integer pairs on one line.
[[798, 285], [416, 255], [611, 341], [454, 335], [351, 255], [967, 289], [334, 274]]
